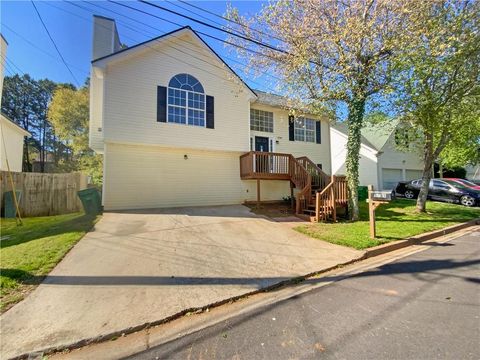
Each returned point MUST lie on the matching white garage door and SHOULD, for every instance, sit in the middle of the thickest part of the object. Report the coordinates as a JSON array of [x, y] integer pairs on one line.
[[390, 178], [413, 174]]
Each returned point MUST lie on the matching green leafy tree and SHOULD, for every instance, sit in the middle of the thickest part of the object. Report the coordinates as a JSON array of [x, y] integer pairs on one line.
[[69, 114], [333, 54], [25, 101], [439, 82]]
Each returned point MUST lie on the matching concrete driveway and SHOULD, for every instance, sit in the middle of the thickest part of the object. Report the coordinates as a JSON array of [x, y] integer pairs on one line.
[[139, 267]]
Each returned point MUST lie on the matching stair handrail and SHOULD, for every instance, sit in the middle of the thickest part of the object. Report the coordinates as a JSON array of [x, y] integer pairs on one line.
[[308, 164], [302, 180], [324, 200]]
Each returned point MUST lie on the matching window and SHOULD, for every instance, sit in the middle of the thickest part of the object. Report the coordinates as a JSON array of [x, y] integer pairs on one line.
[[186, 101], [439, 184], [304, 129], [261, 120]]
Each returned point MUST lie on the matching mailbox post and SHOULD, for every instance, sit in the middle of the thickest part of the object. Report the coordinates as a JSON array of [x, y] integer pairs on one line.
[[375, 199]]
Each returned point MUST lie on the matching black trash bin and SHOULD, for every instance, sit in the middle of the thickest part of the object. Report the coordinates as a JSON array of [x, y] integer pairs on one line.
[[91, 201]]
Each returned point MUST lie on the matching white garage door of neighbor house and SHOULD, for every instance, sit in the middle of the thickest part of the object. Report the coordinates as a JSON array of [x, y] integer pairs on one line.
[[390, 178], [413, 174]]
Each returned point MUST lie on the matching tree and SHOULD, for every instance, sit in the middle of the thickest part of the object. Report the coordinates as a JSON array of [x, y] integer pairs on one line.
[[25, 101], [332, 53], [439, 81], [464, 147], [69, 114], [17, 103]]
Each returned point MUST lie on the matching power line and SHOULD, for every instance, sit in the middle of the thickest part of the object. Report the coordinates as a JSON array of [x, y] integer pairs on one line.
[[54, 44], [40, 49], [226, 19], [259, 43], [197, 31], [180, 25], [199, 15], [7, 61], [159, 51]]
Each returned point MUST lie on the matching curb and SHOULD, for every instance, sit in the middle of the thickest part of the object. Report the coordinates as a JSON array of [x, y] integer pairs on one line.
[[369, 253], [418, 239]]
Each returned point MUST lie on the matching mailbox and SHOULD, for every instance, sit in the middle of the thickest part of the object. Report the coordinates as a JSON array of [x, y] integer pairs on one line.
[[382, 195]]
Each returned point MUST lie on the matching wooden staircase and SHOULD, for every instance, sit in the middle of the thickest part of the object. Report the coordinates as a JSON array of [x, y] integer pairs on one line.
[[318, 195]]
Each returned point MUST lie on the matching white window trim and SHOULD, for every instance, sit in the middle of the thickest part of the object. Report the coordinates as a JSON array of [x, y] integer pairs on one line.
[[186, 107], [295, 128], [260, 131]]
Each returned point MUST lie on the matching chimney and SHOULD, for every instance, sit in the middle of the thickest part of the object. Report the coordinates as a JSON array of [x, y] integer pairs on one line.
[[3, 52], [105, 37]]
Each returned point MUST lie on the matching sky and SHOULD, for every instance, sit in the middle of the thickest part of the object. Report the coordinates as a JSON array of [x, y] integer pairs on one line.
[[70, 24]]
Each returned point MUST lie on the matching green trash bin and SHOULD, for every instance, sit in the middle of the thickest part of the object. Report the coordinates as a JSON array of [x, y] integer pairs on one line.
[[91, 201], [362, 193], [10, 208]]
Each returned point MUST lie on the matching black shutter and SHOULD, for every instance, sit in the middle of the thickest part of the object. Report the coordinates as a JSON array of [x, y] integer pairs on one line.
[[318, 131], [210, 113], [161, 104], [291, 127]]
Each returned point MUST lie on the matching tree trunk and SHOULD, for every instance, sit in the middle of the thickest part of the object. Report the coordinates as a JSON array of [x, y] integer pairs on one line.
[[356, 110], [428, 157]]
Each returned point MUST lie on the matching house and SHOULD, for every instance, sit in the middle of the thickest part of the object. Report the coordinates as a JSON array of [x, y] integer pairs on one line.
[[178, 127], [11, 135], [473, 172], [382, 163]]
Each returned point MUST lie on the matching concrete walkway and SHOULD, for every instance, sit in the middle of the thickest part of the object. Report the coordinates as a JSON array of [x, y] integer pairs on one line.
[[143, 266]]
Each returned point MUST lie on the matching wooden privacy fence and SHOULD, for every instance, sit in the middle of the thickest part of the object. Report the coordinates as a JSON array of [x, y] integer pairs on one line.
[[45, 194]]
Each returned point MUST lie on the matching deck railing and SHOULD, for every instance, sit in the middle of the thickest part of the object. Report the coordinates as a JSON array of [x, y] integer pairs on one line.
[[304, 174], [319, 178], [265, 165], [335, 194], [277, 166]]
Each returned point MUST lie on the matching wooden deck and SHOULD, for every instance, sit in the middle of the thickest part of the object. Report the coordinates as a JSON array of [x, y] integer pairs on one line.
[[256, 165], [318, 194]]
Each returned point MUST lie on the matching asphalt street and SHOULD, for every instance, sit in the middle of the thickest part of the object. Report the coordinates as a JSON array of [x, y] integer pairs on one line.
[[424, 306]]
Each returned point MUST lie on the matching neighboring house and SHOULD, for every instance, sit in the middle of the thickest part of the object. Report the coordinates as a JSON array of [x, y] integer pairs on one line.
[[473, 172], [11, 135], [381, 164], [172, 120], [11, 144]]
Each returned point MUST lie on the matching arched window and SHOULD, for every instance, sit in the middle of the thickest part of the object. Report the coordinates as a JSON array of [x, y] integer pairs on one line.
[[186, 100]]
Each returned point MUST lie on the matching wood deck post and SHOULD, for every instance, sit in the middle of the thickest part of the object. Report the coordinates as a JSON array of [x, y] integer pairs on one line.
[[292, 200], [258, 193], [371, 212], [334, 201]]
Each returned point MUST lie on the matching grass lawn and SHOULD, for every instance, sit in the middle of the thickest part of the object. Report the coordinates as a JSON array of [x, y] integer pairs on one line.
[[395, 220], [31, 251]]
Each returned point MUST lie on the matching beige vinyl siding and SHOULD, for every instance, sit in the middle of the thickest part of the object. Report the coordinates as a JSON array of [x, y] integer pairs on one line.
[[130, 112], [368, 173], [393, 158], [13, 146], [413, 174], [153, 176], [96, 112], [318, 153]]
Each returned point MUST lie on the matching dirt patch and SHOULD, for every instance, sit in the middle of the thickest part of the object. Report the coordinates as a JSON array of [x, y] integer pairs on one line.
[[273, 210]]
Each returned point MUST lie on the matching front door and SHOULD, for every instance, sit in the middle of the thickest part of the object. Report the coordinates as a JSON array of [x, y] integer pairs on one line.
[[261, 143]]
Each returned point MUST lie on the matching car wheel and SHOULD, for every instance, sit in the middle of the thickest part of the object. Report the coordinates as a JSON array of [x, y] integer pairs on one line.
[[409, 194], [467, 200]]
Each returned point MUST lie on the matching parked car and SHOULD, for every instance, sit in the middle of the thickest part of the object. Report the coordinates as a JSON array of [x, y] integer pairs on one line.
[[440, 190], [464, 182]]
